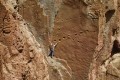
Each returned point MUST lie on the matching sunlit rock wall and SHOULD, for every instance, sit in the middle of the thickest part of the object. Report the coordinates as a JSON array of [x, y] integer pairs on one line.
[[87, 33]]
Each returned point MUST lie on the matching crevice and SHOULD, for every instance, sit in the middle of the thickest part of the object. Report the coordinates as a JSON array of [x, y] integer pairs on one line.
[[109, 15], [114, 31], [20, 50], [115, 48], [6, 31], [30, 60], [106, 7], [15, 7], [24, 77], [112, 75]]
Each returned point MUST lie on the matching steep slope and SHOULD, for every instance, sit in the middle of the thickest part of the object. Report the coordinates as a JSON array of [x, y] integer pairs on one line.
[[22, 53], [106, 63], [87, 33], [78, 36], [21, 56]]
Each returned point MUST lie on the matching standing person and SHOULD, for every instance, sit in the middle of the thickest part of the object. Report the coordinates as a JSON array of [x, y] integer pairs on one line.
[[52, 49]]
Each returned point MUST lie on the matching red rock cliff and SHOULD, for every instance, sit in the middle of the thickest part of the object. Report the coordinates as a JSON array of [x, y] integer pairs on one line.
[[87, 33]]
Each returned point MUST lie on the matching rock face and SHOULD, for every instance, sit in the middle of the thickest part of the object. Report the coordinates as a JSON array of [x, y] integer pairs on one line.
[[105, 65], [23, 42], [78, 36], [21, 56], [87, 33]]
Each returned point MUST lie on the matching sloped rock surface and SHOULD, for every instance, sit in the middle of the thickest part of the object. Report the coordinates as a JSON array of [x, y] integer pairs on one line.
[[87, 33], [105, 65], [22, 54], [77, 35]]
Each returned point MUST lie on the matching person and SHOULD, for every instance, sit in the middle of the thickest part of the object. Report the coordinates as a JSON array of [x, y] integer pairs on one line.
[[52, 48]]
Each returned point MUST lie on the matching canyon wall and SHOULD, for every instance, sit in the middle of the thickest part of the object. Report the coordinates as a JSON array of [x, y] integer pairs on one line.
[[86, 33], [106, 58]]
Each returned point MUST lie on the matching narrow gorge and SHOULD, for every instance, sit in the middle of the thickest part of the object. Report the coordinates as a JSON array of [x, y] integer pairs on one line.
[[59, 39]]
